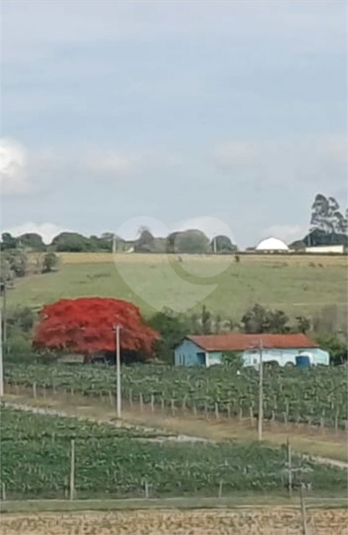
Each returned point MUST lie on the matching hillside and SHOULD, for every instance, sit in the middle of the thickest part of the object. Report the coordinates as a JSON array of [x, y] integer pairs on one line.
[[294, 283]]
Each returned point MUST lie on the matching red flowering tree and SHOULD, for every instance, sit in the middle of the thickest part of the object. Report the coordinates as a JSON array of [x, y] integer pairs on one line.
[[87, 326]]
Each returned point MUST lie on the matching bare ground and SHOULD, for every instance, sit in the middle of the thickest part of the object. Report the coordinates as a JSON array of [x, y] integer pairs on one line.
[[246, 521]]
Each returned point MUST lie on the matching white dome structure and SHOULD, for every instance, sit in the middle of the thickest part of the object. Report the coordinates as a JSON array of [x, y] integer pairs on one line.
[[272, 245]]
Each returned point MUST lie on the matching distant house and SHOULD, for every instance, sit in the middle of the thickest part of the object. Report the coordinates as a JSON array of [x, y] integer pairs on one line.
[[282, 349]]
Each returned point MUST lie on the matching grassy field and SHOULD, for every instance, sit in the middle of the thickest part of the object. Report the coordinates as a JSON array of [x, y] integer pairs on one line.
[[296, 284]]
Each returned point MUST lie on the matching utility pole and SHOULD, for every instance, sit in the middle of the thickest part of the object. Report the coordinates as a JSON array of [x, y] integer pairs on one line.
[[214, 244], [118, 372], [114, 244], [260, 416]]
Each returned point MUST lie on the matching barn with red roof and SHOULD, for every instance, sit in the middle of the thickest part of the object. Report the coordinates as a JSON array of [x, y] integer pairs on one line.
[[281, 349]]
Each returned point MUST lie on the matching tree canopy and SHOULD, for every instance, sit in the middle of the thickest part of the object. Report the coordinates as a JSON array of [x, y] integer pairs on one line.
[[33, 241], [328, 225], [259, 319], [87, 326], [222, 244], [188, 241]]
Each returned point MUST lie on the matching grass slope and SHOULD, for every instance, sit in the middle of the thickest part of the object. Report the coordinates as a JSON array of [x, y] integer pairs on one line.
[[298, 285]]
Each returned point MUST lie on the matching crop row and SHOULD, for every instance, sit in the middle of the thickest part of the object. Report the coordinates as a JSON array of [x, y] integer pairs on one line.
[[297, 394], [109, 463]]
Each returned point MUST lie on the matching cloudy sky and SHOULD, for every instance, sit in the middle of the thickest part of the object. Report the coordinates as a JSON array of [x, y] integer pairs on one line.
[[180, 110]]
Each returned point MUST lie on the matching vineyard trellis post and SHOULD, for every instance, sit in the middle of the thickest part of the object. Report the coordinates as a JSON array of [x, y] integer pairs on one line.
[[220, 489], [303, 512], [260, 416], [118, 372], [72, 470], [288, 446]]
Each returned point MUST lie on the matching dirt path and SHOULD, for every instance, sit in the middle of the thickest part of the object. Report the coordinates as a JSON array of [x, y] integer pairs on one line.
[[248, 521], [196, 429]]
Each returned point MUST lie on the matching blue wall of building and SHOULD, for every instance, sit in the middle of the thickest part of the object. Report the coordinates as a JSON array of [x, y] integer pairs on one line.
[[189, 354]]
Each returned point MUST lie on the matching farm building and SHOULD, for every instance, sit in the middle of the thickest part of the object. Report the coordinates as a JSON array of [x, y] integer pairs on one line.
[[326, 249], [284, 349], [272, 245]]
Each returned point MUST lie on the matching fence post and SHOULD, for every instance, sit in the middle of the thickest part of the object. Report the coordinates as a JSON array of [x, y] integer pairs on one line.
[[146, 489], [184, 403], [303, 512], [72, 470], [130, 398], [322, 424], [172, 406], [110, 398], [3, 491], [34, 390], [141, 402], [220, 489], [206, 408], [288, 447], [228, 410], [194, 409], [251, 413], [240, 416], [162, 403], [336, 421], [152, 403], [216, 410]]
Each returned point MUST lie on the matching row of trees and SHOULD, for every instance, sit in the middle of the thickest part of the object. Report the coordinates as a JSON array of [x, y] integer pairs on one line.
[[86, 326], [328, 226], [188, 241], [15, 263], [65, 241]]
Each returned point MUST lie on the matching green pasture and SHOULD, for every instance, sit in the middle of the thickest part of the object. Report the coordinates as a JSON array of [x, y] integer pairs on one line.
[[297, 285]]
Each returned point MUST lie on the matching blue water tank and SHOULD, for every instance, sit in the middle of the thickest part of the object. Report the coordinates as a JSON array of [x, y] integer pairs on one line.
[[303, 361]]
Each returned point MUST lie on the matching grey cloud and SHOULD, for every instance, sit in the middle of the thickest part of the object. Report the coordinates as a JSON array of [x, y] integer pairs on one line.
[[316, 159], [297, 26]]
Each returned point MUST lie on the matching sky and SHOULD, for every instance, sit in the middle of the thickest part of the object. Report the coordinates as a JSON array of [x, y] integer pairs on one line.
[[232, 114]]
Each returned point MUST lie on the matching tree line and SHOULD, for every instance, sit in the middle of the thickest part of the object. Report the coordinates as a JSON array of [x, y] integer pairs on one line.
[[189, 241], [172, 329]]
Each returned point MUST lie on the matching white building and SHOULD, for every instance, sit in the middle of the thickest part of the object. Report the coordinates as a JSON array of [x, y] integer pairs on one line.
[[326, 249], [272, 245]]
